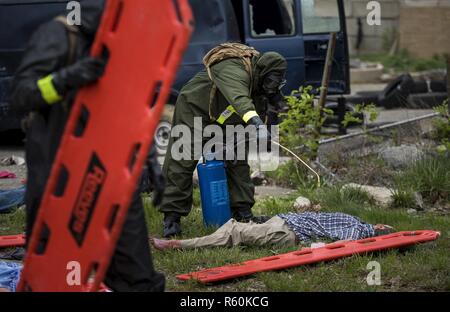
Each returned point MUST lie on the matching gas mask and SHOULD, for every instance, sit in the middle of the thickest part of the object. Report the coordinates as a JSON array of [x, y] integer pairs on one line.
[[273, 83]]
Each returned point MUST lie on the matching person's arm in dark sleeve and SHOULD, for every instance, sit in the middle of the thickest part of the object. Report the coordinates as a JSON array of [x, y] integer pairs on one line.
[[233, 81], [42, 79], [32, 87]]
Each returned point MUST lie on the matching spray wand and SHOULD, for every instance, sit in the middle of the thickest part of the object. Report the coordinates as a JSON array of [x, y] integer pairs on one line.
[[290, 152]]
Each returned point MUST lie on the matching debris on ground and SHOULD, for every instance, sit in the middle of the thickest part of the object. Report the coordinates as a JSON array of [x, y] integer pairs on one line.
[[302, 204], [419, 201], [12, 161], [365, 72], [7, 175]]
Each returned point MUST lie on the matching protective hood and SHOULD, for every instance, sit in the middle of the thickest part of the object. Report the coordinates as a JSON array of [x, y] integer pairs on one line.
[[91, 15], [266, 63]]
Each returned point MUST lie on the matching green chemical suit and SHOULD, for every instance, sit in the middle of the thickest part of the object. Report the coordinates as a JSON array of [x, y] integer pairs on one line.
[[238, 97]]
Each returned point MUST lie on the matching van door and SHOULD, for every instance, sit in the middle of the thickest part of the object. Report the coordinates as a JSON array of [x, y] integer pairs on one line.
[[319, 18], [18, 20], [272, 25]]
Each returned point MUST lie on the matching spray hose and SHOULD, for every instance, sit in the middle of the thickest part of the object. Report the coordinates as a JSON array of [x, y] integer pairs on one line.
[[300, 160], [287, 150]]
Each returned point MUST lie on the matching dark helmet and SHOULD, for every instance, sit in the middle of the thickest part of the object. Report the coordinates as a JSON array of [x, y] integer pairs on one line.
[[270, 72]]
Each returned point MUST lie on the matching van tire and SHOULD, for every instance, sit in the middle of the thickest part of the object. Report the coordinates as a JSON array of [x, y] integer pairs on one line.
[[364, 97], [162, 133], [396, 92], [426, 100], [434, 86]]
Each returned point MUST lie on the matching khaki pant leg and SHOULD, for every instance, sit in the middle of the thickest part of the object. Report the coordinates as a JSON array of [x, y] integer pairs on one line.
[[273, 232], [222, 237], [233, 233]]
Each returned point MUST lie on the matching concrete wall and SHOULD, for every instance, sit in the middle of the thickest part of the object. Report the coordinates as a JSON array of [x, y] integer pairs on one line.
[[422, 26], [373, 35]]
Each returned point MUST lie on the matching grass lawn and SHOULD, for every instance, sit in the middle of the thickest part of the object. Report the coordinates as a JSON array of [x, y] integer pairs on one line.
[[420, 268]]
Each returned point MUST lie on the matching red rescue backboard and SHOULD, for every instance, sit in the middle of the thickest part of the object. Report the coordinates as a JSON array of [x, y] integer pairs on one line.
[[106, 142], [307, 256]]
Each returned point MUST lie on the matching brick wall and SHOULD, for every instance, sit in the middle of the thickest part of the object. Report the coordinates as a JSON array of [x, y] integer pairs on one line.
[[424, 27]]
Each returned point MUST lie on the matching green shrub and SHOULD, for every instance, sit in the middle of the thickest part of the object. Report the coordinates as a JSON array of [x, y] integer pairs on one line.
[[441, 128], [336, 199], [292, 174], [403, 199], [404, 62], [301, 124], [429, 176]]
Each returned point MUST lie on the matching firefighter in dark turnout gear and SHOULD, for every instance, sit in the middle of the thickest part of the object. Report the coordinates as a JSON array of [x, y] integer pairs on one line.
[[55, 65], [232, 91]]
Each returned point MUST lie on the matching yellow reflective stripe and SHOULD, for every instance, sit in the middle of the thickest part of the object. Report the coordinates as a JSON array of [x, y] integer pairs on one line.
[[249, 115], [226, 114], [48, 91]]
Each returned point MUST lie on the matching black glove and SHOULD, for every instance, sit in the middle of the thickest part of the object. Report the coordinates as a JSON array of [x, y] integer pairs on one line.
[[262, 133], [156, 177], [79, 74]]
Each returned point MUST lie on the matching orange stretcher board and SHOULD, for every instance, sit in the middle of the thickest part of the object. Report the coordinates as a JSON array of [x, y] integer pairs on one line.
[[308, 256], [12, 241], [106, 142]]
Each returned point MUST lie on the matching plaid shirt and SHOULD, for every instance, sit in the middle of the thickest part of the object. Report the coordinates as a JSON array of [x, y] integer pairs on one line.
[[308, 226]]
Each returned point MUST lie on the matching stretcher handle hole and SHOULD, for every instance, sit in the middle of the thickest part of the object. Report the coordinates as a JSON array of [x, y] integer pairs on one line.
[[302, 252], [112, 219], [117, 16], [82, 122], [335, 246], [8, 237], [169, 51], [412, 233], [155, 94], [367, 241], [61, 181], [133, 157], [177, 10], [212, 273], [105, 54], [44, 237], [391, 236], [271, 259]]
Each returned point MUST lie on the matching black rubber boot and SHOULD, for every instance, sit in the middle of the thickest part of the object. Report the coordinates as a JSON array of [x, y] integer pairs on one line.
[[261, 219], [242, 215], [172, 225], [246, 215]]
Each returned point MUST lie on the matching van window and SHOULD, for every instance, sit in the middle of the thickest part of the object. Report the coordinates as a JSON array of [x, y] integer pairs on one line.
[[320, 16], [272, 17], [214, 21]]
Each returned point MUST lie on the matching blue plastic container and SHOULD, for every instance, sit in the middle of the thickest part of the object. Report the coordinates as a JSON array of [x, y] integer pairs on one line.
[[215, 198]]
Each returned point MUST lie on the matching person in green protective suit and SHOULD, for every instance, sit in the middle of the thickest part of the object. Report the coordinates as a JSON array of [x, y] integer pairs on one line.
[[228, 93]]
